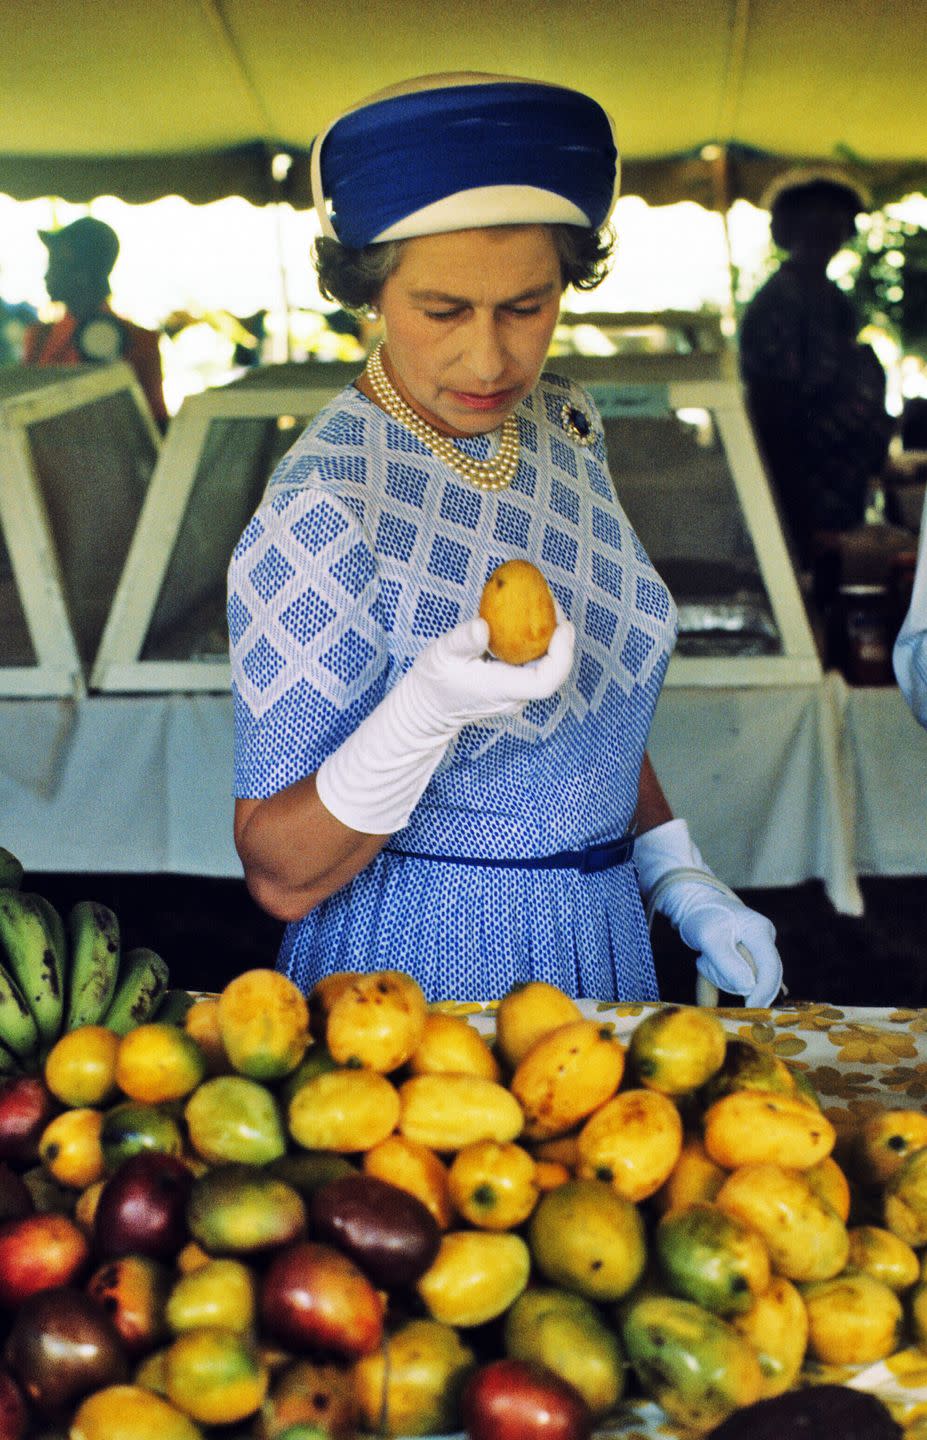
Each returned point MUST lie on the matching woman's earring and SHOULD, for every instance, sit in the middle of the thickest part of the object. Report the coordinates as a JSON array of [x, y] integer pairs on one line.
[[371, 313]]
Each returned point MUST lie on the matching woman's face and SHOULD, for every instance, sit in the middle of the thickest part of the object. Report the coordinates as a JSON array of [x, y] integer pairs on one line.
[[469, 318]]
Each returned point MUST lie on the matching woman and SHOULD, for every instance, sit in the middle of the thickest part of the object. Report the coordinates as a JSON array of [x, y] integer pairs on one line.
[[403, 799]]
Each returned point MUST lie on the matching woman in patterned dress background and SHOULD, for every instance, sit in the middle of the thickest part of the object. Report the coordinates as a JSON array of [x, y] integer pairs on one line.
[[403, 799]]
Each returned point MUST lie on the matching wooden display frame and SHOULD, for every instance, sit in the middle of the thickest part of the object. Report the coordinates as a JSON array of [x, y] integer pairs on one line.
[[119, 665], [24, 521], [706, 383], [703, 380]]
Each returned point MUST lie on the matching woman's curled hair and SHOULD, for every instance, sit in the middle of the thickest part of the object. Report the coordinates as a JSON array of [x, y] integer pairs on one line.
[[354, 278]]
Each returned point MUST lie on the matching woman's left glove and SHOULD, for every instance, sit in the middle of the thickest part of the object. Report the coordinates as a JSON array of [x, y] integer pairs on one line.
[[374, 780], [709, 917]]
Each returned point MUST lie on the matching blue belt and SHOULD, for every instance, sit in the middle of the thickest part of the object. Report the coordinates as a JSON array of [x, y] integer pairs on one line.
[[590, 861]]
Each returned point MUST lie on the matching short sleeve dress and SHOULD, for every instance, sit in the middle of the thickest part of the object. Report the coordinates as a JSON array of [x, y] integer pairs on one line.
[[365, 547]]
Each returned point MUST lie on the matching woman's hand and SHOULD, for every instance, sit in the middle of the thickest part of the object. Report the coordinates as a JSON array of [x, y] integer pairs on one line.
[[709, 917], [456, 682], [374, 780]]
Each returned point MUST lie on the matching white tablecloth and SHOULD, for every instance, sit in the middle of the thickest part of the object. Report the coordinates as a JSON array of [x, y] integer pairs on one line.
[[778, 785]]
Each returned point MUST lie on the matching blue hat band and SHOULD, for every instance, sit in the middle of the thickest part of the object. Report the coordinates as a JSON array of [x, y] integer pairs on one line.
[[388, 160]]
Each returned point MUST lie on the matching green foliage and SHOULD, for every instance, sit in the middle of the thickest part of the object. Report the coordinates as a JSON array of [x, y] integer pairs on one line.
[[889, 282]]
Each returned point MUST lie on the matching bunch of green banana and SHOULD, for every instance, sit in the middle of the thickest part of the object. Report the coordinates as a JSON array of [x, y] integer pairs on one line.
[[57, 976]]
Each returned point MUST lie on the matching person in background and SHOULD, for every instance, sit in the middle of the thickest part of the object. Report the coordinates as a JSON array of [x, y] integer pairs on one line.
[[15, 319], [816, 395], [80, 258], [910, 650], [404, 799]]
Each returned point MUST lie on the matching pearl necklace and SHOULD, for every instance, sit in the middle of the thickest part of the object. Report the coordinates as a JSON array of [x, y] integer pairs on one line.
[[494, 474]]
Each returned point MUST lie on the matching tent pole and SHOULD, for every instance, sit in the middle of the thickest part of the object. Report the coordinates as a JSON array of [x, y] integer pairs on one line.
[[280, 164]]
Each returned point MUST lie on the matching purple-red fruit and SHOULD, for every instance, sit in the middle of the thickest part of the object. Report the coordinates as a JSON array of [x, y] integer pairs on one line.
[[142, 1208], [26, 1106], [519, 1400], [61, 1347], [389, 1233], [314, 1299]]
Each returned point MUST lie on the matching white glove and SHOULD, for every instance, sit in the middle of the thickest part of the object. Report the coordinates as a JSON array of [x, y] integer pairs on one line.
[[374, 780], [709, 917]]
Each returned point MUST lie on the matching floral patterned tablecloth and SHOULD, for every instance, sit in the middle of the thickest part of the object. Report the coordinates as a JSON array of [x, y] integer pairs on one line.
[[859, 1061]]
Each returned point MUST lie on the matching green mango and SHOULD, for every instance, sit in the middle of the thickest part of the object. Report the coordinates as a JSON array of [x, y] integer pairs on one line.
[[132, 1127], [566, 1333], [712, 1258], [230, 1118], [747, 1067], [693, 1364], [307, 1170], [242, 1210]]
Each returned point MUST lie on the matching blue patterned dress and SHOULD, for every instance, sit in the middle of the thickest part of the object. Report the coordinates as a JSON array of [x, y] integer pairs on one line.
[[364, 549]]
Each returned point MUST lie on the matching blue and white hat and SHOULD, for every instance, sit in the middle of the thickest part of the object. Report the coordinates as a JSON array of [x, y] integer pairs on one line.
[[461, 151]]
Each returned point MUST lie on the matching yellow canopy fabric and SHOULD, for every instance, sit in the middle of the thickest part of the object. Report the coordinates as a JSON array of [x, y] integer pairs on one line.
[[148, 97]]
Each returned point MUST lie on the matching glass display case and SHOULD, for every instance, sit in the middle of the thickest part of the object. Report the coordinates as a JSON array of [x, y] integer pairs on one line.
[[77, 449], [167, 627], [686, 469], [681, 454]]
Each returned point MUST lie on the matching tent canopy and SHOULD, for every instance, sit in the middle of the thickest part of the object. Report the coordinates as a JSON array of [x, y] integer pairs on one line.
[[142, 98]]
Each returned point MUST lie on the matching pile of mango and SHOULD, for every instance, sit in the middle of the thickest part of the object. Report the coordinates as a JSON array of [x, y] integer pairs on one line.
[[327, 1218]]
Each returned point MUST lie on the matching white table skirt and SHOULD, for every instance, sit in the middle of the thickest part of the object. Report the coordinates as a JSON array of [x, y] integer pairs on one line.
[[778, 785]]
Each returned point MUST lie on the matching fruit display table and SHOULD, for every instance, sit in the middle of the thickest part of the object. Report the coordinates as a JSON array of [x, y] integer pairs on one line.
[[859, 1061]]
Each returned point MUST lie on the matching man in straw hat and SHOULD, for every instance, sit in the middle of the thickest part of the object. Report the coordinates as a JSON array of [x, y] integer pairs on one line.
[[816, 395]]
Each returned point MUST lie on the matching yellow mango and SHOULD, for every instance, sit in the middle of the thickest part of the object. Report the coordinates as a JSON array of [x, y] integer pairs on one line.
[[562, 1150], [446, 1112], [451, 1045], [566, 1075], [852, 1320], [475, 1277], [221, 1292], [805, 1238], [632, 1142], [323, 995], [343, 1110], [264, 1024], [411, 1384], [70, 1149], [413, 1167], [879, 1253], [676, 1049], [753, 1127], [587, 1239], [526, 1013], [905, 1200], [518, 607], [776, 1326], [376, 1021], [693, 1180], [828, 1181], [493, 1186], [917, 1305], [550, 1174], [884, 1142]]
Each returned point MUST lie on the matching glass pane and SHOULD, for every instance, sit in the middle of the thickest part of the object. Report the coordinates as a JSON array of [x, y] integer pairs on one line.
[[236, 462], [15, 644], [674, 479], [93, 464]]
